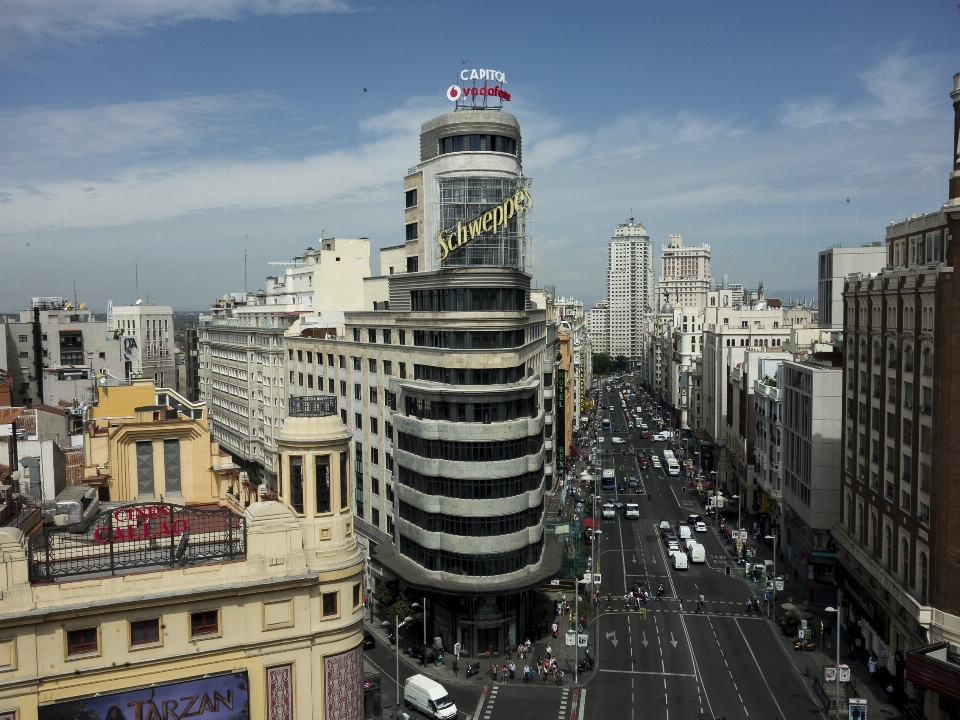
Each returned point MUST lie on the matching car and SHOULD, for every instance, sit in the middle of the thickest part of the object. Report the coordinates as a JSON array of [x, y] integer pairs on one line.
[[701, 526], [656, 463], [644, 434], [634, 481], [611, 408], [693, 519], [664, 527], [643, 426], [600, 439], [617, 440], [670, 536], [618, 504], [673, 546], [644, 464], [369, 642], [609, 511]]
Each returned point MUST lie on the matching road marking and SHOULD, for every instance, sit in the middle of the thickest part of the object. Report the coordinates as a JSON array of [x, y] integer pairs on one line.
[[737, 623], [647, 672], [582, 703], [483, 696]]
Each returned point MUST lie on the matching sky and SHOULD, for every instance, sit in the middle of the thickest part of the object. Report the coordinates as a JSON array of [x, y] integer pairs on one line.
[[148, 146]]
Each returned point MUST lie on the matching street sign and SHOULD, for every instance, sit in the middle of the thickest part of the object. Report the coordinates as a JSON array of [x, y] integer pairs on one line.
[[844, 673], [804, 634], [596, 578], [571, 638], [743, 534], [554, 582], [857, 709], [582, 640], [561, 529], [780, 585]]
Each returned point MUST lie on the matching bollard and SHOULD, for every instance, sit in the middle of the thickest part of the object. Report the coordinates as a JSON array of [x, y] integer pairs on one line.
[[728, 569]]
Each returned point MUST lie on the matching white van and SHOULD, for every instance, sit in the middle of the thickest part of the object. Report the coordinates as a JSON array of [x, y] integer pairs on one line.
[[696, 552], [679, 561], [683, 532], [632, 511], [429, 697]]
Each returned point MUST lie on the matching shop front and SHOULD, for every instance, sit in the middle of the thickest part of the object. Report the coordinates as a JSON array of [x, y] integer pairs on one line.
[[812, 550], [867, 621]]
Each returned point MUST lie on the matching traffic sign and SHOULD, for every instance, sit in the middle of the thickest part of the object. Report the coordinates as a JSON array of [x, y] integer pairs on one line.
[[596, 578], [779, 584], [571, 638], [582, 640]]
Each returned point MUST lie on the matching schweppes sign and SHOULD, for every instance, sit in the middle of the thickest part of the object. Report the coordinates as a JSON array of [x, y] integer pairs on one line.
[[491, 221]]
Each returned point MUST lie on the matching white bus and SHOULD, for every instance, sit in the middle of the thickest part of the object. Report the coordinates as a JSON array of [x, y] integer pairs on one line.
[[670, 460]]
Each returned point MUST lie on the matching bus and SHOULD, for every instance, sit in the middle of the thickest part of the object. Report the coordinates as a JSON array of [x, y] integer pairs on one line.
[[608, 479], [670, 461], [606, 424]]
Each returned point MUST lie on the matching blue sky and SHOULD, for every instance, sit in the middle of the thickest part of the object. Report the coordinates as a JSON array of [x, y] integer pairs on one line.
[[171, 133]]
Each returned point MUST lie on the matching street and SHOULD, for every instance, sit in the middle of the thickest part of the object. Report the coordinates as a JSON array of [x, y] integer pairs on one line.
[[674, 663]]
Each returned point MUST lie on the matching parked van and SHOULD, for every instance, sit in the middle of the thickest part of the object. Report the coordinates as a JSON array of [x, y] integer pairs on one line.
[[429, 697], [696, 552], [679, 561], [683, 532]]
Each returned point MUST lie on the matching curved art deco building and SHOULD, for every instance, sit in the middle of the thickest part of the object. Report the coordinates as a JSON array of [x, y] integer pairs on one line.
[[447, 385]]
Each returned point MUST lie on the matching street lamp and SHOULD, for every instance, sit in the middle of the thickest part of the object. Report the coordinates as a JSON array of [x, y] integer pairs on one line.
[[415, 606], [837, 639], [737, 498], [774, 596], [396, 645]]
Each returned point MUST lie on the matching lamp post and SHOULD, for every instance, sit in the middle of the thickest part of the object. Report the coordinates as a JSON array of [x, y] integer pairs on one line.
[[737, 498], [396, 646], [837, 609], [417, 606], [774, 596]]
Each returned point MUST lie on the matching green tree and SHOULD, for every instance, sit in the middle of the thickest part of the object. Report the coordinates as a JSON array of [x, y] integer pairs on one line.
[[621, 363], [602, 364]]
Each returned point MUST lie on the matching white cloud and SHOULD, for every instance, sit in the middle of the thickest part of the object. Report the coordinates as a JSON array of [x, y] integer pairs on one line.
[[35, 20], [900, 87]]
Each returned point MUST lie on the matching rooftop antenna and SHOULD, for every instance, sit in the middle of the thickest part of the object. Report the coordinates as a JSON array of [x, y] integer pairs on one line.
[[246, 237], [136, 278], [75, 293]]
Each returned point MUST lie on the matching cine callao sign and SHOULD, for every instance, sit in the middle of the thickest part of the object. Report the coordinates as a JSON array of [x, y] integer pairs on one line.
[[140, 523], [492, 220]]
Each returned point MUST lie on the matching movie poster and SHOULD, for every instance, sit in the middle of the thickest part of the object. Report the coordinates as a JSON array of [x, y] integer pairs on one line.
[[220, 697]]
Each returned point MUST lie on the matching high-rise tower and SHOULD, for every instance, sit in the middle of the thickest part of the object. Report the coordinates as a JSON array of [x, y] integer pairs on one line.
[[630, 284]]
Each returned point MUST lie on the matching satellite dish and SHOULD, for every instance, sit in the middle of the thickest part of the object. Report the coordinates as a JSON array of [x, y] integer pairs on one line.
[[139, 302], [83, 306]]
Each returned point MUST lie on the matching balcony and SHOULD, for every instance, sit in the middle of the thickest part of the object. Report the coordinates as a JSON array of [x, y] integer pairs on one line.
[[908, 367], [892, 365], [926, 409], [927, 371], [908, 404]]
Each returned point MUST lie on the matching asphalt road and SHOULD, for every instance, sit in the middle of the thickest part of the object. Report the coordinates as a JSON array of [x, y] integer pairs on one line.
[[662, 662]]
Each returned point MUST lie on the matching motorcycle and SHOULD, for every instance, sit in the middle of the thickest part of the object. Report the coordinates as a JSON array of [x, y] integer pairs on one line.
[[805, 645], [473, 669], [392, 637], [586, 663]]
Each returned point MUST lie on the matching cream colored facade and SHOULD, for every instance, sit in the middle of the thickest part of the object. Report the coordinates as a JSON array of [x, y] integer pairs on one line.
[[282, 611], [152, 325]]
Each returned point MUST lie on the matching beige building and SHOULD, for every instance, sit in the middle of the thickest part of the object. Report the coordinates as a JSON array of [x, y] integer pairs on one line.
[[189, 606], [150, 327]]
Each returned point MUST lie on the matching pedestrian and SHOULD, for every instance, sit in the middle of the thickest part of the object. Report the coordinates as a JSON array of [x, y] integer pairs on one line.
[[508, 653], [749, 605], [660, 592], [559, 677], [526, 673], [872, 666], [681, 604], [539, 665], [513, 669], [555, 628], [503, 674], [549, 653], [700, 601], [493, 673]]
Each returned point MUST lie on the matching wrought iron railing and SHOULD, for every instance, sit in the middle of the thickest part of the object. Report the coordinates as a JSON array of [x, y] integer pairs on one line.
[[312, 406], [138, 536]]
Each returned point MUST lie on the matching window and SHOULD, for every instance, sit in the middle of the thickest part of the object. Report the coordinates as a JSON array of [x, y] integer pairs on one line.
[[386, 336], [171, 466], [145, 467], [299, 379], [82, 642], [329, 604], [23, 338], [358, 421], [145, 632], [309, 357], [402, 336], [373, 425], [330, 360], [357, 392], [907, 437], [412, 264], [344, 495], [374, 456], [356, 334], [204, 623], [410, 198], [373, 365], [343, 388], [356, 595], [343, 361], [905, 501], [357, 364], [373, 394], [330, 387], [411, 231], [322, 481], [296, 483], [299, 356]]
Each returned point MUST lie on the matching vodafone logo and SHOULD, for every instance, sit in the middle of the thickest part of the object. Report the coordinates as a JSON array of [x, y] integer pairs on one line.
[[454, 93]]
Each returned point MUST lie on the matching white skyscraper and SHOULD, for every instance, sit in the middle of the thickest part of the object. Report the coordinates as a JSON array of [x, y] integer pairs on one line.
[[684, 273], [630, 289]]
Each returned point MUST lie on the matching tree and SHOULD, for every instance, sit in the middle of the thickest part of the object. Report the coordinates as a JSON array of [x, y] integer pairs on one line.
[[621, 363], [602, 364]]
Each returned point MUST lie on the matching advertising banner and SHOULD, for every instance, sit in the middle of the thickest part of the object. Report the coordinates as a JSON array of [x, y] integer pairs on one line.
[[222, 697]]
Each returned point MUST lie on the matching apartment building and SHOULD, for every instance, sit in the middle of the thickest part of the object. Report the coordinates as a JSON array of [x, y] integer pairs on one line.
[[684, 273], [833, 266], [598, 327], [630, 290], [145, 333]]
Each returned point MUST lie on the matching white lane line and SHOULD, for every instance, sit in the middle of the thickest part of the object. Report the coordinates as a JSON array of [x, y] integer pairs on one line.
[[583, 702], [737, 623], [647, 672]]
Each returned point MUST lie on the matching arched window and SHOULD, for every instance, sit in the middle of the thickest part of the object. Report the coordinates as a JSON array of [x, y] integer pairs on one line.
[[861, 528], [873, 534], [905, 561], [863, 351], [923, 578], [908, 359], [927, 362], [876, 353], [848, 515], [851, 353], [892, 356], [888, 536]]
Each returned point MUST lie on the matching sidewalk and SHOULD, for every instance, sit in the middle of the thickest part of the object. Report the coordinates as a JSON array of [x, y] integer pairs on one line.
[[810, 664], [444, 673]]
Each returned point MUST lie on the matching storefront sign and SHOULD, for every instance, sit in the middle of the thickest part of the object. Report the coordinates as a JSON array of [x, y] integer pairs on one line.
[[561, 384], [490, 221], [222, 697], [140, 522]]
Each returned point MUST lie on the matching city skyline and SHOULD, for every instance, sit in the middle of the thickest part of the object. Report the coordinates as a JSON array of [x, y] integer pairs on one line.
[[174, 141]]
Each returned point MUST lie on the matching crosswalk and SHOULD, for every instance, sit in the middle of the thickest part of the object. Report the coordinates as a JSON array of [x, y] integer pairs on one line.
[[670, 605]]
